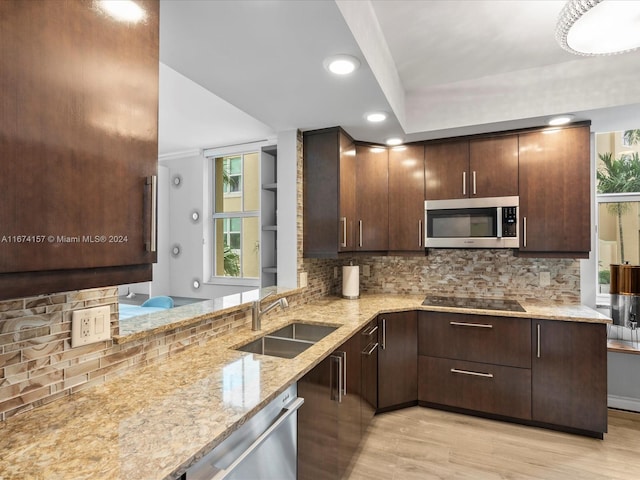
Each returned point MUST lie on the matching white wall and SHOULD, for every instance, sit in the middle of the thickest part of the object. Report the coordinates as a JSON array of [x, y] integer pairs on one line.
[[161, 285], [287, 209]]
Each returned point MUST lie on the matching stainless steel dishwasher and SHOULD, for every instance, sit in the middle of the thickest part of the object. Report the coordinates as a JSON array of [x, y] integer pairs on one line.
[[264, 448]]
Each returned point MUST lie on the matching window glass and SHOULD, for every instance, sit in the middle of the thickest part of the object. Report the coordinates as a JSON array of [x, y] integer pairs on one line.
[[236, 199], [618, 201]]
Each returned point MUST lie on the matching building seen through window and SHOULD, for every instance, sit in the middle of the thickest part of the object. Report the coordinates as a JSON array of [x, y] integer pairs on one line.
[[236, 215]]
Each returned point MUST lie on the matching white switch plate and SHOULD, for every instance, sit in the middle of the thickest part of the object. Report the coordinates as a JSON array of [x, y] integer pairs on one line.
[[90, 325], [545, 279], [303, 279], [366, 271]]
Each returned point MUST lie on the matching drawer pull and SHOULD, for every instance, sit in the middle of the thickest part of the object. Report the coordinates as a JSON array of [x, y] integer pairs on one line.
[[371, 350], [370, 331], [475, 374], [476, 325]]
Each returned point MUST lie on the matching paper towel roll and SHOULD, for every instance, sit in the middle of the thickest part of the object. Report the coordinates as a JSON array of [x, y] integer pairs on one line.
[[351, 282]]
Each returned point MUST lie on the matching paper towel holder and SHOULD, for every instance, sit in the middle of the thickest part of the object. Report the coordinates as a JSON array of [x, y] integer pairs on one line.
[[351, 282]]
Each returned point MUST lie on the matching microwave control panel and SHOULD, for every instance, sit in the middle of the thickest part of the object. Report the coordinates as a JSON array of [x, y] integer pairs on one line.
[[509, 221]]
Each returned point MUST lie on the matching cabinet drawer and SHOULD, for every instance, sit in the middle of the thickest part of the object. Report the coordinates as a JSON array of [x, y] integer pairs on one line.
[[476, 338], [475, 386]]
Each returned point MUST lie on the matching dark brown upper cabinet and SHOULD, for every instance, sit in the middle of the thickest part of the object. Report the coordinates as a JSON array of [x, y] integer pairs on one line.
[[484, 167], [493, 167], [79, 146], [406, 198], [372, 198], [555, 205], [329, 189]]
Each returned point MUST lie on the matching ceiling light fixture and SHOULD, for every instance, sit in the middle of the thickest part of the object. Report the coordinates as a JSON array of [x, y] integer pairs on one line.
[[341, 64], [599, 27], [376, 117], [394, 141], [123, 10], [560, 120]]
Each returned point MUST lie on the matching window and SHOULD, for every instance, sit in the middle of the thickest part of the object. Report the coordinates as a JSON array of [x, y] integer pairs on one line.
[[236, 211], [618, 202]]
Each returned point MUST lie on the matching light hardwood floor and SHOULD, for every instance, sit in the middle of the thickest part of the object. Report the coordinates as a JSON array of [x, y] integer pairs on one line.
[[422, 443]]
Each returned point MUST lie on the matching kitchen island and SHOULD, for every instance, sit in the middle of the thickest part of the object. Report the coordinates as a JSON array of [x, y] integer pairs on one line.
[[156, 421]]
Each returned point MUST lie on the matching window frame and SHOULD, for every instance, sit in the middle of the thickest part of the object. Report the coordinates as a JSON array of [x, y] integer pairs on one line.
[[210, 240]]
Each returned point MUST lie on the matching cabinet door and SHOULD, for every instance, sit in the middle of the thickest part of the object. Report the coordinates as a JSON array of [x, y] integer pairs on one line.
[[397, 359], [493, 166], [77, 144], [318, 422], [406, 198], [446, 170], [369, 345], [569, 374], [347, 227], [329, 187], [349, 414], [555, 201], [372, 198]]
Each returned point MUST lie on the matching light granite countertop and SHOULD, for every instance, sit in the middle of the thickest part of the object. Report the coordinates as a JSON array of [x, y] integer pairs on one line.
[[154, 422]]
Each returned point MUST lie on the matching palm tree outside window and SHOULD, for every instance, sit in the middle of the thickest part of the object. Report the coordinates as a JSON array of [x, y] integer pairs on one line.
[[618, 201]]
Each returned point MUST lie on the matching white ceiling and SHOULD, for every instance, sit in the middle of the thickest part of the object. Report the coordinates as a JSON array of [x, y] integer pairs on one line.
[[235, 71]]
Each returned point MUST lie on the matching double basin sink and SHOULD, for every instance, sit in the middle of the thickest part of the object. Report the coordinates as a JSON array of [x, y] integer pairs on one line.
[[288, 341]]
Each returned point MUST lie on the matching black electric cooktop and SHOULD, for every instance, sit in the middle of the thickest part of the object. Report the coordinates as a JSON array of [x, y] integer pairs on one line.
[[476, 303]]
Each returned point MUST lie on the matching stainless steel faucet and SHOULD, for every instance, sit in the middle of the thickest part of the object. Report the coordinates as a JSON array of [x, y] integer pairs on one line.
[[256, 313]]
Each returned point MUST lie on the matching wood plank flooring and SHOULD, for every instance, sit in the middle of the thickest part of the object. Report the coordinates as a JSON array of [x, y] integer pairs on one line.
[[422, 443]]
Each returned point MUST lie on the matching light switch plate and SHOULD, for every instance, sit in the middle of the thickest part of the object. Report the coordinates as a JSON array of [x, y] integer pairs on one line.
[[303, 279], [90, 325]]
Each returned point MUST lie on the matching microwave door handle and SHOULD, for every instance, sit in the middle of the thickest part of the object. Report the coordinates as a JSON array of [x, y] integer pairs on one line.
[[499, 221]]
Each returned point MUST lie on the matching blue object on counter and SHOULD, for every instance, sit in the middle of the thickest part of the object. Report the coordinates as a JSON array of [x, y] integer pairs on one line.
[[159, 302]]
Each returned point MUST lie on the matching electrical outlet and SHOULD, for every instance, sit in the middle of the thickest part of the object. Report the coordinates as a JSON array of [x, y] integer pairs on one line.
[[90, 325], [303, 279], [545, 279], [366, 271]]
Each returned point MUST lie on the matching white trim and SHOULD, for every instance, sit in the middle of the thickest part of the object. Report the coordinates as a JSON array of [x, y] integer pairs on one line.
[[623, 403], [617, 197], [240, 148], [178, 155]]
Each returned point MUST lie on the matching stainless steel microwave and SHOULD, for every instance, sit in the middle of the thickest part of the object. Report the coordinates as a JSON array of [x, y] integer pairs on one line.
[[472, 223]]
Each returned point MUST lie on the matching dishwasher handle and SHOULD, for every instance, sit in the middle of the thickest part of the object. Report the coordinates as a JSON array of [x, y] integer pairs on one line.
[[287, 411]]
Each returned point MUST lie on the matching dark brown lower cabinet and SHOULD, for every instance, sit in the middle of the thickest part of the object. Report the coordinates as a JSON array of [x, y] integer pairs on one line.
[[481, 387], [569, 374], [397, 360], [329, 422]]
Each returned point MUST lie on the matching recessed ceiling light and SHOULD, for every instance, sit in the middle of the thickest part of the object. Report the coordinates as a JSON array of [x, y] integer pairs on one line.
[[376, 117], [341, 64], [560, 120], [123, 10], [394, 141]]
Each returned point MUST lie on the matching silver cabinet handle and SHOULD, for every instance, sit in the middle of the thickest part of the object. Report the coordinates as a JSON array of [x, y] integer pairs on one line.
[[476, 325], [524, 231], [419, 233], [384, 333], [344, 373], [360, 232], [538, 340], [336, 359], [151, 245], [371, 350], [474, 182], [464, 183], [289, 410], [370, 331], [344, 231], [469, 372]]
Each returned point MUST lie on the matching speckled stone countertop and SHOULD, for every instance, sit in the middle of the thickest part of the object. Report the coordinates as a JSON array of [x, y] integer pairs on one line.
[[154, 422]]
